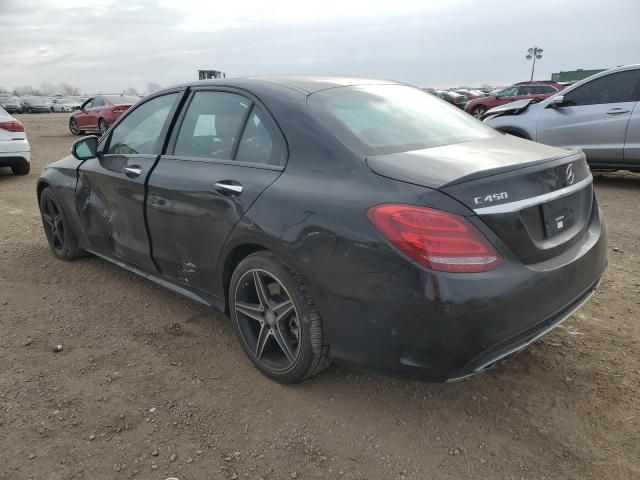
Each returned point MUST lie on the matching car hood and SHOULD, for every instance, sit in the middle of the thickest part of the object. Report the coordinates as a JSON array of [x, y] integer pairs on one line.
[[512, 108], [452, 164]]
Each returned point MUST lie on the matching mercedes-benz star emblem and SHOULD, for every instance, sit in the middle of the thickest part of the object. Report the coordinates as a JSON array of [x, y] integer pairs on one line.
[[570, 175]]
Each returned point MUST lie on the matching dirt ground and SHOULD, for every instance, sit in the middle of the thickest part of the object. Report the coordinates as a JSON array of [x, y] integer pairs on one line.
[[130, 397]]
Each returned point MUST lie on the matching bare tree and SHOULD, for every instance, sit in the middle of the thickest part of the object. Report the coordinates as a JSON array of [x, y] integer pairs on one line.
[[153, 87], [23, 90], [68, 90], [3, 90], [130, 91], [47, 88]]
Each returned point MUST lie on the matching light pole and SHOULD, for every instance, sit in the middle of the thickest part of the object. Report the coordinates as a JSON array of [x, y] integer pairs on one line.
[[534, 53]]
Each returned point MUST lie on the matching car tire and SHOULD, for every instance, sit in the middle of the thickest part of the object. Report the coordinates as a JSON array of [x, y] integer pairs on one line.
[[478, 111], [22, 169], [62, 240], [102, 126], [285, 340], [73, 127]]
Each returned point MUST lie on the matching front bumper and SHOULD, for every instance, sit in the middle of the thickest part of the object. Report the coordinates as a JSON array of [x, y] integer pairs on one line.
[[438, 326]]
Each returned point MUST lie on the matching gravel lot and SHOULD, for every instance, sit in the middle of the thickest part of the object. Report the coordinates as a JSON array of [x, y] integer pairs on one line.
[[150, 385]]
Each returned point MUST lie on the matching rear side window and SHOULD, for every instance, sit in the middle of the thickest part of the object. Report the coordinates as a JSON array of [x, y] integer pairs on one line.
[[382, 119], [140, 131], [260, 143], [211, 125], [614, 88]]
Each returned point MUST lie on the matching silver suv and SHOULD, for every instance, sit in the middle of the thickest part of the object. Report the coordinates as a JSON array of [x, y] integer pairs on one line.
[[600, 114]]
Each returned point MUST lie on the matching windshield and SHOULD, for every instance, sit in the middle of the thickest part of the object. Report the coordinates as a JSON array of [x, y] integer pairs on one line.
[[118, 99], [383, 119]]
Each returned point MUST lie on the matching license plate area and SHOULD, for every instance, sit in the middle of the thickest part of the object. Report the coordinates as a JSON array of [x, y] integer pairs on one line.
[[557, 217]]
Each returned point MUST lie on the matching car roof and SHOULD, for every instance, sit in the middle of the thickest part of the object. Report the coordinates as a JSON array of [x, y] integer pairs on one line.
[[306, 84]]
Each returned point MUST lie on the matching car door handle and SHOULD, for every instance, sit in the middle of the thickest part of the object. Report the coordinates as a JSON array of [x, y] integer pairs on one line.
[[132, 172], [228, 188], [616, 111]]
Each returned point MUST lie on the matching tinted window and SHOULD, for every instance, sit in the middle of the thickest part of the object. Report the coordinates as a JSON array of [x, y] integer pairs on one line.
[[98, 102], [139, 132], [211, 125], [526, 90], [259, 144], [379, 119], [614, 88]]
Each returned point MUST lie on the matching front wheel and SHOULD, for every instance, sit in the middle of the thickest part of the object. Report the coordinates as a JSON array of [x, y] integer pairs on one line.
[[73, 127], [102, 126], [275, 319], [478, 111], [61, 238]]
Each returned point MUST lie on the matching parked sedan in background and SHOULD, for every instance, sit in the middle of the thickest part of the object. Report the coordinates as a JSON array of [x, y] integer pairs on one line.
[[15, 151], [36, 104], [11, 104], [479, 106], [97, 114], [453, 98], [601, 115], [358, 220], [64, 105]]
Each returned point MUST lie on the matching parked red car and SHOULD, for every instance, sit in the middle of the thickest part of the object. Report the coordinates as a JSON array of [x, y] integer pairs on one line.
[[478, 106], [97, 114]]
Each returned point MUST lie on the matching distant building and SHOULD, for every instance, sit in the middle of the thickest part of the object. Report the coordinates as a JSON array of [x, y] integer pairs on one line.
[[574, 75], [208, 74]]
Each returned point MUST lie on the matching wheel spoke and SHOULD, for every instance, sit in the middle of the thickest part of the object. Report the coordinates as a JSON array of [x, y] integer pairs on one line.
[[263, 338], [260, 289], [47, 218], [251, 310], [58, 235], [284, 309], [283, 344]]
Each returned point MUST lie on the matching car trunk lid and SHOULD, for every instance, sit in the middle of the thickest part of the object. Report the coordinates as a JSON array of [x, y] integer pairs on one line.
[[536, 199]]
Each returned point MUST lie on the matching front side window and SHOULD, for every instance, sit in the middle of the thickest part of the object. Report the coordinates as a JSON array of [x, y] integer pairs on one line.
[[211, 125], [140, 131], [98, 102], [614, 88], [508, 92], [381, 119]]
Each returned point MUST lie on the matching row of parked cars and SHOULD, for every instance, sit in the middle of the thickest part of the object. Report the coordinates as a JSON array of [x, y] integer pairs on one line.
[[477, 102], [39, 104]]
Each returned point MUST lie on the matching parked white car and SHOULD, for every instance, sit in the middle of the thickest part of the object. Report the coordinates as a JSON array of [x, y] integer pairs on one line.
[[64, 105], [15, 151]]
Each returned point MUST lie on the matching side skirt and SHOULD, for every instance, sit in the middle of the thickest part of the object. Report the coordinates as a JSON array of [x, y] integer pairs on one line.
[[215, 302]]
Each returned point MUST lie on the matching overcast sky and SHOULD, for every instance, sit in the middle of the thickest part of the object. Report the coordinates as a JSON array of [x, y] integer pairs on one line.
[[109, 45]]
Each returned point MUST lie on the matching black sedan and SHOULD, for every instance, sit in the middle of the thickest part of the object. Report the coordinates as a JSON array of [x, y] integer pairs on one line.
[[337, 219]]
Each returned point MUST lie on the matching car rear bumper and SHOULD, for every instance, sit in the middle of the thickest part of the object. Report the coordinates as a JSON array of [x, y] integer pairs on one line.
[[13, 158], [439, 326]]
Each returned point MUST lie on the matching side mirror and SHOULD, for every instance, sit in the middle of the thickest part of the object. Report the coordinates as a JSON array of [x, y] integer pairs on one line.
[[85, 148], [557, 101]]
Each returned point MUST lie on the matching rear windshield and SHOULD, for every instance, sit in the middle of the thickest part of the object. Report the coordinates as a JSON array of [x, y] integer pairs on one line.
[[118, 99], [383, 119]]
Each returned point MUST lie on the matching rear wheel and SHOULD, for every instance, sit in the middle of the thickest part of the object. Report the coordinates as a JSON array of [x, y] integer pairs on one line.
[[275, 319], [73, 127], [22, 169], [478, 111], [61, 239]]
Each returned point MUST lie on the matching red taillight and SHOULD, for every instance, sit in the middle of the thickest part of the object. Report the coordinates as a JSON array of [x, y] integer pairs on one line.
[[12, 126], [435, 239]]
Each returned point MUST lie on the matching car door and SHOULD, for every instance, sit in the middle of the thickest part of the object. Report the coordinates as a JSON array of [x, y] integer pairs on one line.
[[111, 188], [594, 116], [94, 112], [82, 116], [225, 153], [632, 137]]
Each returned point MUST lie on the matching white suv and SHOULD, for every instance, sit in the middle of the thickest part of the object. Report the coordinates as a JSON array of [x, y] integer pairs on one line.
[[15, 151], [600, 114]]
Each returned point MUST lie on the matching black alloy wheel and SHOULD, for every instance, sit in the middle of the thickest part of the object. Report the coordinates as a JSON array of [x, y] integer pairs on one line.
[[61, 239], [275, 320]]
